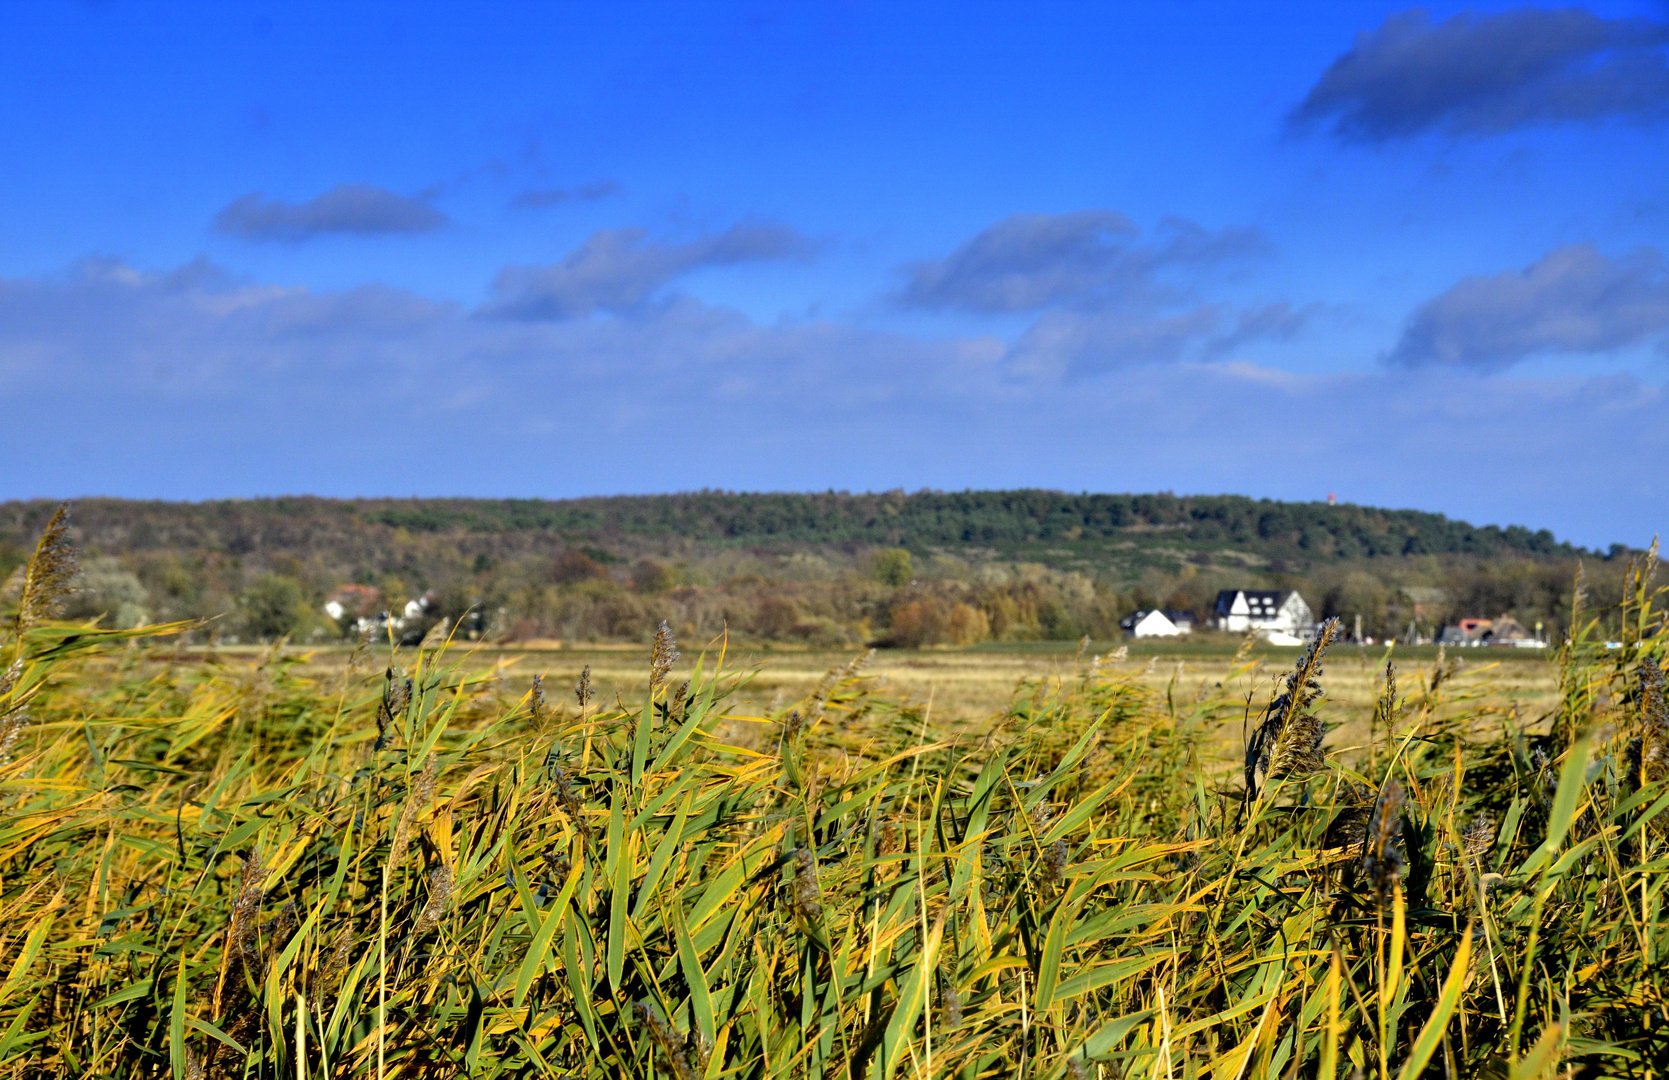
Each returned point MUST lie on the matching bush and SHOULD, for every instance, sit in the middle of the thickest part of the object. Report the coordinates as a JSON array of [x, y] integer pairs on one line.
[[649, 576], [273, 607], [893, 566], [936, 621]]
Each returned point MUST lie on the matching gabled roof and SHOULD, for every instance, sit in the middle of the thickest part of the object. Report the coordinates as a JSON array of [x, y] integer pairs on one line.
[[1260, 603]]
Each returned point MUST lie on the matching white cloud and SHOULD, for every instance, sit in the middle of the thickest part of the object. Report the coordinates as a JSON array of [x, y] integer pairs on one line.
[[189, 383]]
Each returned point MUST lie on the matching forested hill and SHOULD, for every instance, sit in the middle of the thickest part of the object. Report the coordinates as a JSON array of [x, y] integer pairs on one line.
[[1006, 522]]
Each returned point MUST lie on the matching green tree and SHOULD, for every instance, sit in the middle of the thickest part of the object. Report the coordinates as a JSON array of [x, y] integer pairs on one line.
[[894, 567], [649, 576], [272, 606]]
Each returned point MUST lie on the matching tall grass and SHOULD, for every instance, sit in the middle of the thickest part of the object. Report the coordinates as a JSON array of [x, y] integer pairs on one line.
[[209, 871]]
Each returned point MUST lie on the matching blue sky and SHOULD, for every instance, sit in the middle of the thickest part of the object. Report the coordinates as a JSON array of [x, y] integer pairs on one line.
[[1414, 257]]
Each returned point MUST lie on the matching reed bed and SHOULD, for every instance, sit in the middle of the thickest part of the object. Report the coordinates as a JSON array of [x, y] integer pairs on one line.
[[219, 871]]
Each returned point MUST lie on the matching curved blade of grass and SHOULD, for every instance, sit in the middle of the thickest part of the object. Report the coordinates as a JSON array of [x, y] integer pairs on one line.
[[176, 1024], [701, 1003], [910, 998], [1432, 1033], [1565, 800]]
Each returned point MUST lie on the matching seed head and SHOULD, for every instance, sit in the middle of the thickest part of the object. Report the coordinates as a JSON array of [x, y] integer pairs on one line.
[[396, 695], [807, 902], [571, 804], [1654, 724], [582, 689], [440, 898], [1479, 839], [1382, 857], [951, 1002], [662, 655], [330, 973], [422, 792], [1288, 740], [11, 729], [242, 951], [672, 1056], [1054, 863], [50, 573], [536, 699]]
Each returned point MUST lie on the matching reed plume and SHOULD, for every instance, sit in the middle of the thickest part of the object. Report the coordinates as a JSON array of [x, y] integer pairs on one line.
[[11, 730], [241, 951], [1054, 864], [440, 899], [582, 688], [422, 792], [1287, 742], [1651, 760], [536, 699], [808, 904], [331, 971], [950, 1003], [1385, 708], [671, 1049], [396, 695], [662, 655], [1383, 859], [571, 804], [50, 574], [1479, 838]]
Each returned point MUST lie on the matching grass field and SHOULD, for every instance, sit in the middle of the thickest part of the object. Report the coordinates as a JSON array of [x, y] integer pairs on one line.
[[966, 688], [983, 863]]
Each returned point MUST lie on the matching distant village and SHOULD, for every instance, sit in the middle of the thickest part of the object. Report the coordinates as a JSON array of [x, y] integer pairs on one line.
[[1277, 616], [1283, 617]]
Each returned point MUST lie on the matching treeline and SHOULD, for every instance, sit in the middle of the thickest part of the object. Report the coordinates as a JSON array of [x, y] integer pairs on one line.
[[1296, 533], [828, 570]]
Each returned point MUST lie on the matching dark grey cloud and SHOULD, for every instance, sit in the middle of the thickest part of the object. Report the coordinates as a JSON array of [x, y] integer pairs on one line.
[[544, 198], [1479, 74], [346, 209], [619, 269], [1088, 258], [1575, 299]]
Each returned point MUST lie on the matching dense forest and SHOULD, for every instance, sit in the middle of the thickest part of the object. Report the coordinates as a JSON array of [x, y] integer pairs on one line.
[[830, 568]]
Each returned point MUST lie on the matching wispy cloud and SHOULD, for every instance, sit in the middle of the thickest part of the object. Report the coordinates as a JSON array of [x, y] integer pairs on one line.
[[1575, 299], [197, 382], [544, 198], [619, 269], [346, 209], [1091, 258], [1480, 74], [1105, 296]]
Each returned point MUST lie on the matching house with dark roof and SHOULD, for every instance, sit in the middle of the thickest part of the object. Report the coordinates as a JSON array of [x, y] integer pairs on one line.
[[1267, 610]]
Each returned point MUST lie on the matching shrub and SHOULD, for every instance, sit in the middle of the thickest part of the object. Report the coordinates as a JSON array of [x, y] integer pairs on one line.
[[893, 567], [272, 607]]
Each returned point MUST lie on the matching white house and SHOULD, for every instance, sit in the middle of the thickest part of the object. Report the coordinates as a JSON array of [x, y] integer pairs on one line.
[[1267, 610], [1155, 624]]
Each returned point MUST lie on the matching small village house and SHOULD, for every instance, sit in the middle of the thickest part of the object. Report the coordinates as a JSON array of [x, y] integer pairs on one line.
[[1504, 630], [360, 601], [1150, 624], [1269, 611]]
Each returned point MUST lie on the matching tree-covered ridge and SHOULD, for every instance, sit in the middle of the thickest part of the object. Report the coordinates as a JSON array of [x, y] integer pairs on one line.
[[1004, 519]]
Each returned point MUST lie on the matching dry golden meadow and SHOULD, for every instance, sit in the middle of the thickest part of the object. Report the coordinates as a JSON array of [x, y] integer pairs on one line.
[[429, 862]]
